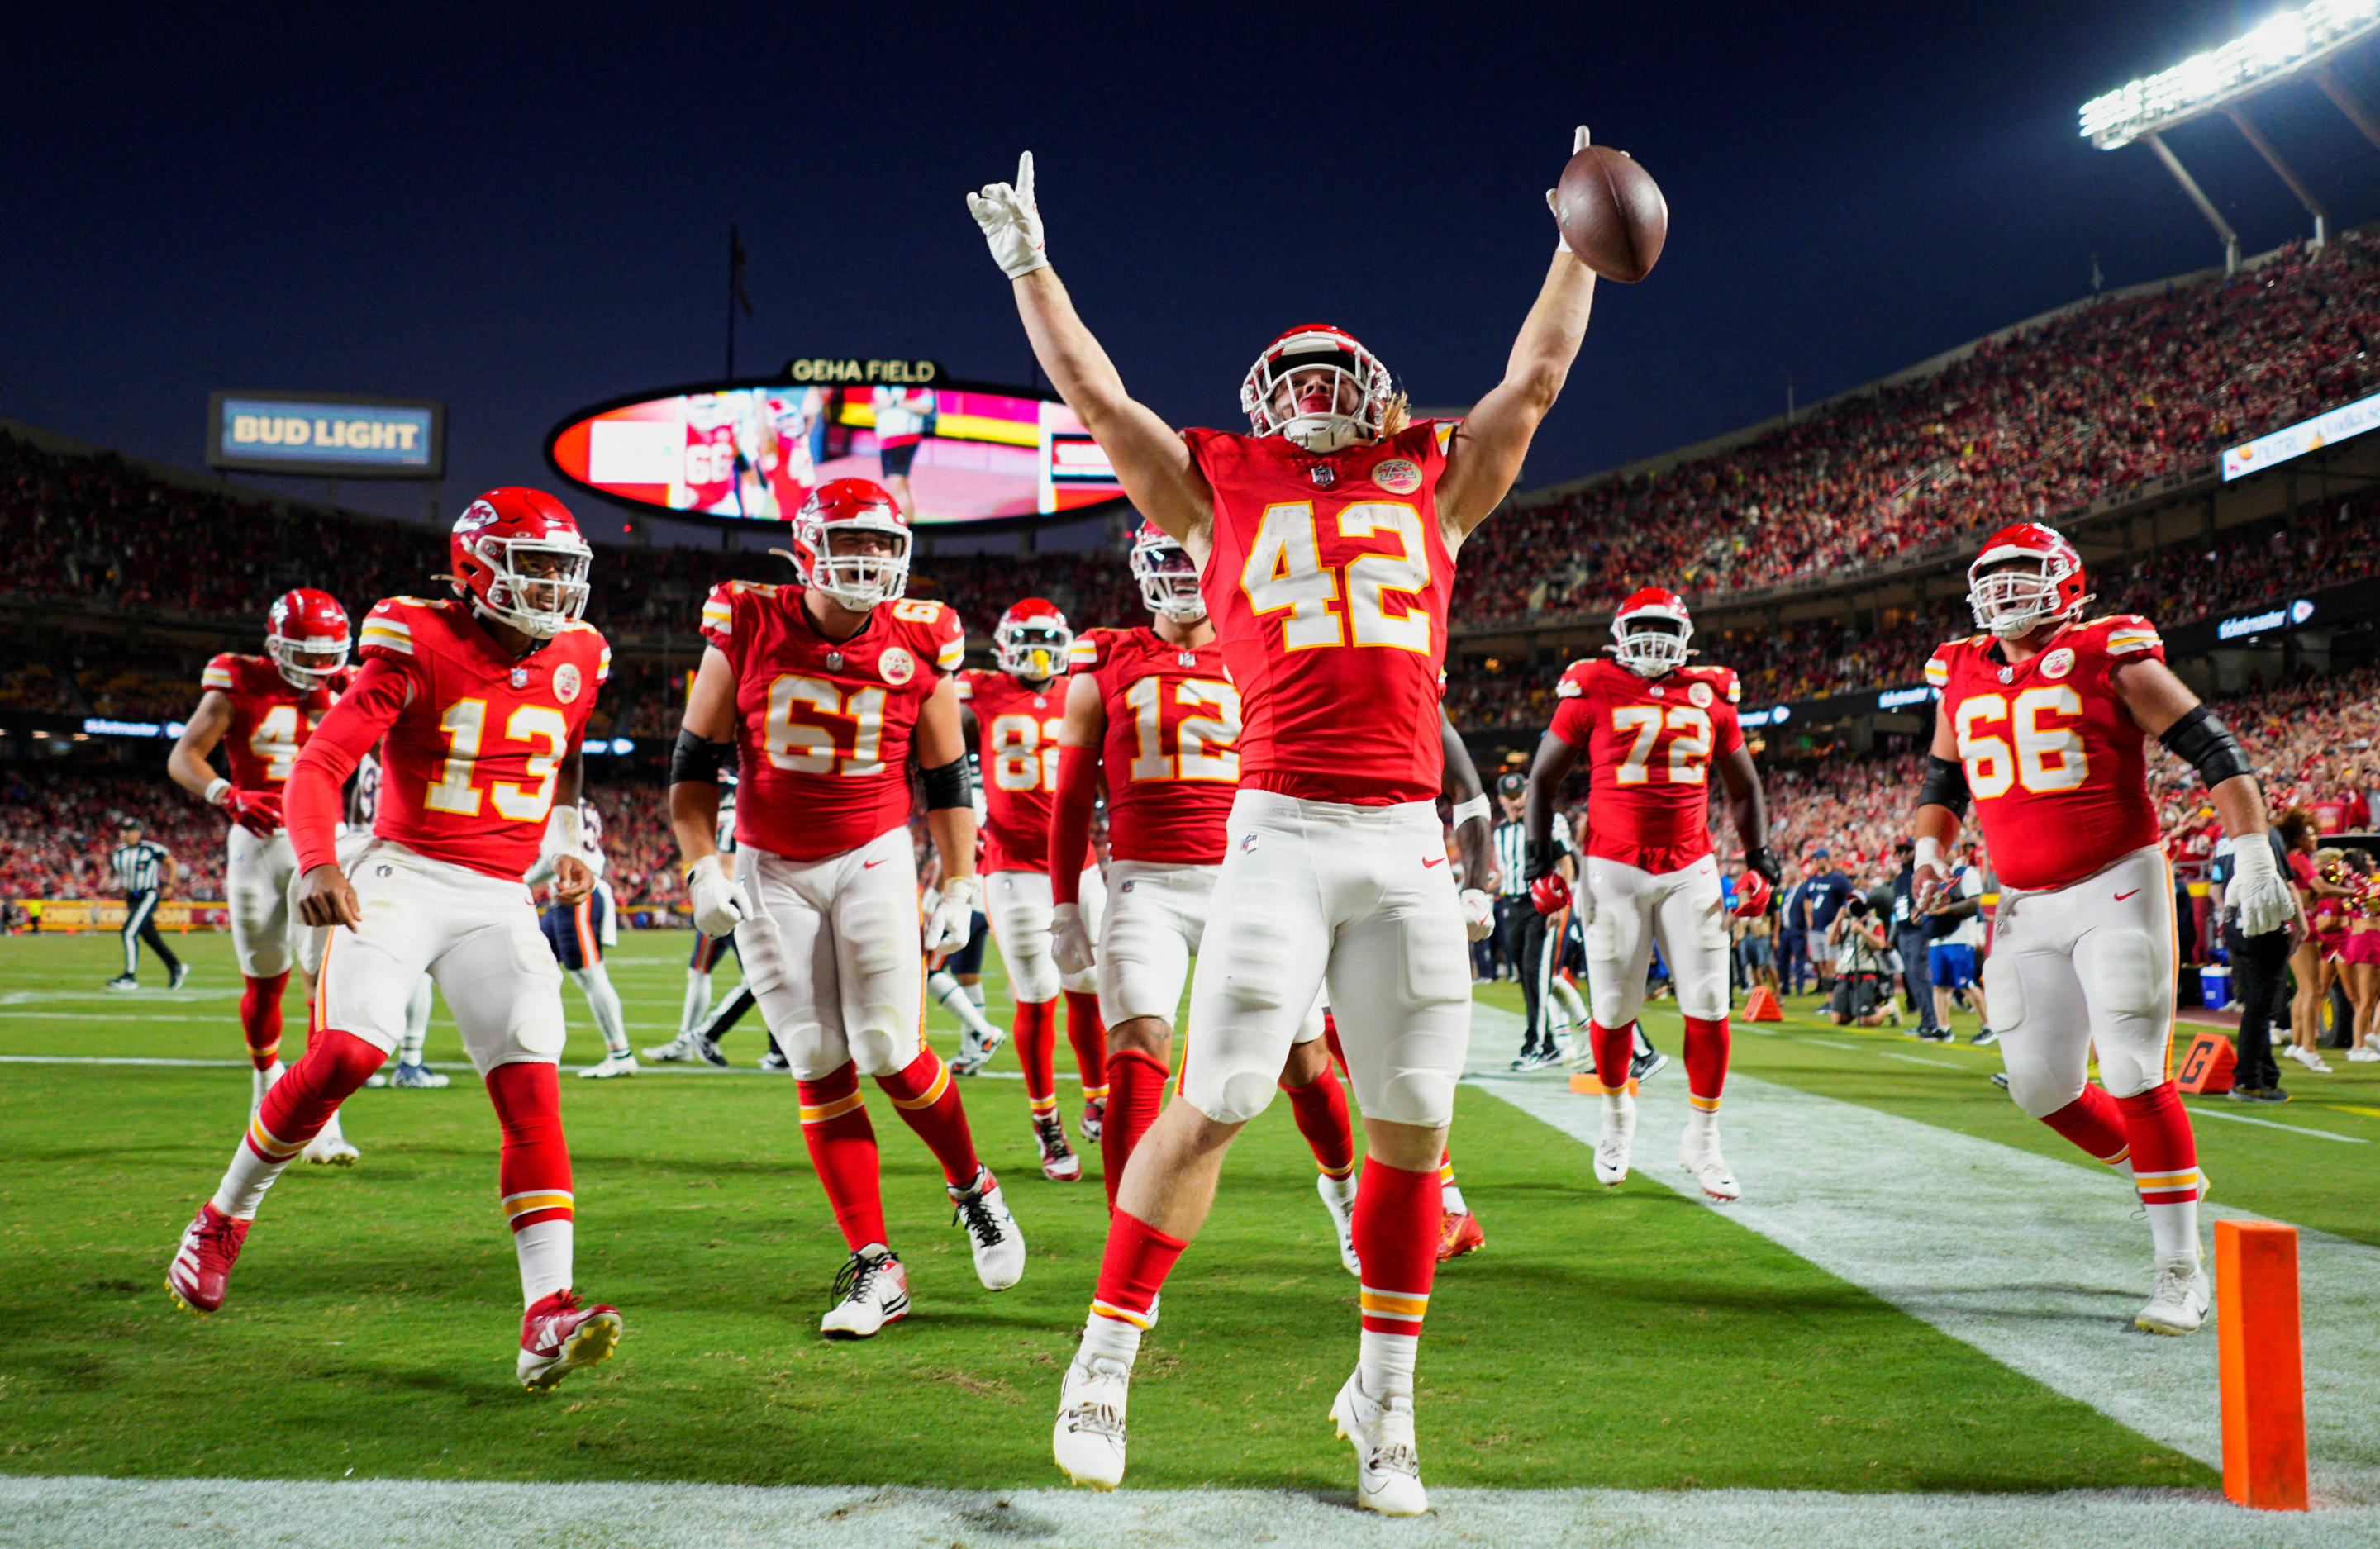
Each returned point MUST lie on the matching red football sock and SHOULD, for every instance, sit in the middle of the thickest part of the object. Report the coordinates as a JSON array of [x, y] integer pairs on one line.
[[1135, 1092], [535, 1170], [1320, 1108], [1707, 1051], [1397, 1219], [1132, 1270], [309, 1092], [2095, 1122], [927, 1101], [1036, 1033], [1614, 1047], [259, 1017], [2164, 1153], [842, 1149], [1089, 1037]]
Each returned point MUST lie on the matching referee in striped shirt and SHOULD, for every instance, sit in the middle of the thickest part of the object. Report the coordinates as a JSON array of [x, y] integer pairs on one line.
[[144, 869]]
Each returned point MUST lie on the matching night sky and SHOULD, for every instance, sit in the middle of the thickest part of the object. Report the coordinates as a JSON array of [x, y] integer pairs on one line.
[[523, 212]]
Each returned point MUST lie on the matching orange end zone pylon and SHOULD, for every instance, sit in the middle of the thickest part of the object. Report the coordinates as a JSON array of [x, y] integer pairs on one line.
[[1762, 1005], [2263, 1366]]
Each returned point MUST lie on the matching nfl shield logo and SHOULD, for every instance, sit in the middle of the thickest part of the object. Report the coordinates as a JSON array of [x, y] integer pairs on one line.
[[1324, 476], [520, 677]]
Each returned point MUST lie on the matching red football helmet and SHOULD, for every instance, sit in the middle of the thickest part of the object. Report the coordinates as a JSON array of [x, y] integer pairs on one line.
[[1325, 428], [518, 554], [306, 636], [1752, 895], [831, 554], [1652, 629], [2027, 575], [1032, 640], [1169, 581]]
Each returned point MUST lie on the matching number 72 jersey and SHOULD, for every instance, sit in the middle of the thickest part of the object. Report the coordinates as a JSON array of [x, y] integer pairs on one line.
[[2055, 763], [1648, 745]]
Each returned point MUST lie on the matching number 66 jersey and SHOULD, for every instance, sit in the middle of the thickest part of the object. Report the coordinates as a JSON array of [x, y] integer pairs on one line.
[[2055, 763], [823, 727]]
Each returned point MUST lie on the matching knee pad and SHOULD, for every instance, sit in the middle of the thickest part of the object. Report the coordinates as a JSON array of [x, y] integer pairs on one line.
[[2039, 1093], [1705, 998], [1085, 983], [877, 1052], [1245, 1096]]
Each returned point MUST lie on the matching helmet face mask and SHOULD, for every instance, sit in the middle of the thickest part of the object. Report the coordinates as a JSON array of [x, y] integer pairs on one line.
[[306, 639], [1650, 632], [2026, 576], [1168, 576], [518, 556], [851, 544], [1032, 640], [1275, 393]]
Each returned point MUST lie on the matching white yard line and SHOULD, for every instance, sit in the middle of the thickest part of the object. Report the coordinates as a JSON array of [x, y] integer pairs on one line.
[[2197, 1113], [2038, 1263], [143, 1514]]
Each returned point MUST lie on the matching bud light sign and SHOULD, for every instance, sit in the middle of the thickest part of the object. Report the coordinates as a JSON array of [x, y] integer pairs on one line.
[[326, 435]]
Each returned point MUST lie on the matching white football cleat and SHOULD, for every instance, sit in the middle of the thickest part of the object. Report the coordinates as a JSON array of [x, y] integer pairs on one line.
[[1710, 1168], [1059, 1163], [330, 1148], [1089, 1437], [1339, 1198], [975, 1051], [261, 1082], [1388, 1466], [871, 1290], [621, 1064], [558, 1336], [2179, 1304], [677, 1051], [1617, 1142], [992, 1234]]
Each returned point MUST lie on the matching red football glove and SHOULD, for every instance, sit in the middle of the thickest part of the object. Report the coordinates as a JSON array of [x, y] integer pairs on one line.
[[1550, 893], [1752, 895], [256, 811]]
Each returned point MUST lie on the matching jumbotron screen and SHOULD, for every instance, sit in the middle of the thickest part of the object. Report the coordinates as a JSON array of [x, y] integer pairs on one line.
[[754, 450]]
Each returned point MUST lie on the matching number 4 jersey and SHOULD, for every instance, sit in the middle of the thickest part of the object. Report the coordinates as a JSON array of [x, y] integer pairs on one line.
[[1017, 725], [823, 727], [270, 718], [1649, 744], [1172, 751], [2053, 760], [472, 738]]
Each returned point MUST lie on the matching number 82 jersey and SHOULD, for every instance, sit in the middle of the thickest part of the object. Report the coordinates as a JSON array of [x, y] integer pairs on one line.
[[823, 727], [1648, 744], [2054, 761]]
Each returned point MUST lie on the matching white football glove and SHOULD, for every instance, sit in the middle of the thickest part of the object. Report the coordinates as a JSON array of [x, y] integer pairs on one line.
[[1011, 223], [1070, 940], [952, 921], [717, 901], [2267, 904], [1478, 914]]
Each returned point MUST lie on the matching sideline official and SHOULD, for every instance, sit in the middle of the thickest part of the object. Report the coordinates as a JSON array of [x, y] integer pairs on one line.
[[144, 870]]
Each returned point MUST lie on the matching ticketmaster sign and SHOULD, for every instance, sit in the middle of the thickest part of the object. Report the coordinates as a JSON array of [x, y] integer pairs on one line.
[[323, 434]]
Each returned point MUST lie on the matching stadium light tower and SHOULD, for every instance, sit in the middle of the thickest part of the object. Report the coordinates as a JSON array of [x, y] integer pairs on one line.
[[2287, 44]]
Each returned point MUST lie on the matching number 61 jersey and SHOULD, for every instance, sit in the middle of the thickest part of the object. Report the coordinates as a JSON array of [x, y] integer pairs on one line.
[[823, 727], [475, 736], [2054, 761], [1648, 744]]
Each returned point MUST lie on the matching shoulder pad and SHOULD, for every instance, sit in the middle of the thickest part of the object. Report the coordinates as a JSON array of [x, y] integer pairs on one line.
[[1937, 666], [941, 635], [388, 629], [1090, 649], [718, 625], [1721, 678], [1574, 680], [2129, 635], [223, 673]]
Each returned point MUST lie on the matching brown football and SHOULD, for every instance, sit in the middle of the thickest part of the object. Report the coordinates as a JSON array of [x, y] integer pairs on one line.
[[1613, 213]]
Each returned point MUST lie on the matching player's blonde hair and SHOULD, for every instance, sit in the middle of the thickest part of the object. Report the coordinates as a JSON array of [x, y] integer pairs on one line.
[[1395, 415]]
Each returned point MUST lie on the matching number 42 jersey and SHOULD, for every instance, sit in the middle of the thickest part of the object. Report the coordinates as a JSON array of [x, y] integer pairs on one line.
[[2054, 762], [1649, 744], [823, 727]]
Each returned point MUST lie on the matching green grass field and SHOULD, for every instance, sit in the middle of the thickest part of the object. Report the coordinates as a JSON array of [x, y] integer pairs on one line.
[[1629, 1338]]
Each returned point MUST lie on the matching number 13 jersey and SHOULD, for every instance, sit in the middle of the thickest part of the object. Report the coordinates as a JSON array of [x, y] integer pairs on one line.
[[1328, 583], [1649, 744], [823, 727], [2054, 761]]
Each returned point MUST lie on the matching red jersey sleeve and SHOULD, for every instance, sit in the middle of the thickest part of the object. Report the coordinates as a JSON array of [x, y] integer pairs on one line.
[[313, 803], [221, 674], [2126, 638], [941, 633], [1089, 652], [719, 620], [1574, 719]]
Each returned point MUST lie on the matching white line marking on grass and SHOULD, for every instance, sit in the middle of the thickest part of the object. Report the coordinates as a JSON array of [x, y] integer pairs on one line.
[[2037, 1262], [2266, 1123], [1921, 1060], [675, 1067], [142, 1514]]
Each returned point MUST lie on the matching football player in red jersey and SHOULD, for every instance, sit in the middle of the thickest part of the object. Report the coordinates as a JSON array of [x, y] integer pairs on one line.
[[824, 689], [2041, 722], [262, 709], [1652, 729], [1325, 541], [1153, 713], [478, 705], [1014, 714]]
